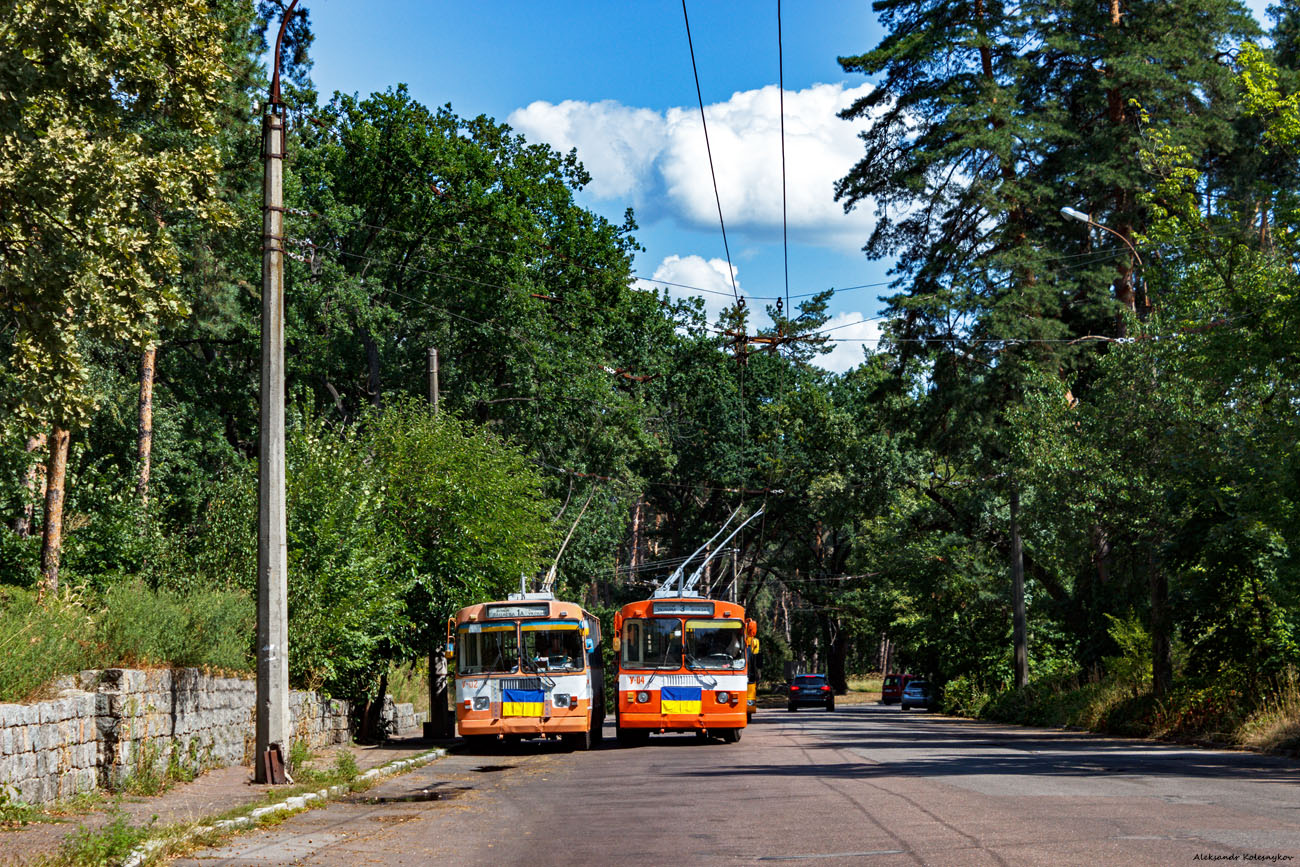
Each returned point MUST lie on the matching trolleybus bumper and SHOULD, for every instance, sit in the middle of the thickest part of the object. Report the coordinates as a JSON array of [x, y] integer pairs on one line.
[[682, 722]]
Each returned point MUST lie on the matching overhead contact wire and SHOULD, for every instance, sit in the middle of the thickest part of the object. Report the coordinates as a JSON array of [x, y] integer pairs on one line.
[[780, 75]]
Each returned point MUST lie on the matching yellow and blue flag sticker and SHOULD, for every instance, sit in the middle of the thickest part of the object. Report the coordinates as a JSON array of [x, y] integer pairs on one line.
[[679, 699], [522, 702]]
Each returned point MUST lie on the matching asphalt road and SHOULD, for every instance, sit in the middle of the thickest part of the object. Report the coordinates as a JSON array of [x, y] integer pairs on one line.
[[866, 784]]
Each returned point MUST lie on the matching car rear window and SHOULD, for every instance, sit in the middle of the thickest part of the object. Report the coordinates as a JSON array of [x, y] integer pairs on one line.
[[809, 680]]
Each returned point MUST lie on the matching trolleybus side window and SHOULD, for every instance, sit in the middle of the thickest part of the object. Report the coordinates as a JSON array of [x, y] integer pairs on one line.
[[553, 646], [487, 648], [652, 643], [715, 644]]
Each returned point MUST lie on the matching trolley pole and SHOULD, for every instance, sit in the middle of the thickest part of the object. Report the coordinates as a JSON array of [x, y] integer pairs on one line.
[[438, 725], [272, 713]]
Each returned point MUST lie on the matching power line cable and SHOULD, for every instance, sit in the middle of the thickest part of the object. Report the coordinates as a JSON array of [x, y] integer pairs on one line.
[[731, 271]]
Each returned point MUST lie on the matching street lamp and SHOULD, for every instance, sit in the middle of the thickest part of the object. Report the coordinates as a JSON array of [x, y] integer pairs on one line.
[[1084, 218]]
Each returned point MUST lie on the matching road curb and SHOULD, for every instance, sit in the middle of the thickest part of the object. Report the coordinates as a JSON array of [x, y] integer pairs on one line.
[[297, 802]]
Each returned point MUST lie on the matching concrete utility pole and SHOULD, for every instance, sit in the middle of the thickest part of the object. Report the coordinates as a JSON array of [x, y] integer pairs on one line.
[[272, 737], [433, 378], [438, 725]]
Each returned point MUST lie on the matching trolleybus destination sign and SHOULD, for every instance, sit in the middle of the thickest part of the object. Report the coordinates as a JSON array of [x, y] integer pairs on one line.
[[677, 606], [538, 610]]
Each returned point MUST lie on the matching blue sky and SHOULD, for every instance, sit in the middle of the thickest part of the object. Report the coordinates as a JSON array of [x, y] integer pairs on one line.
[[614, 80]]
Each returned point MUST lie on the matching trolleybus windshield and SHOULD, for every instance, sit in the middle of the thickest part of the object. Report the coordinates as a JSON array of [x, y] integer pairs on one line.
[[552, 646], [487, 647], [652, 643], [715, 644]]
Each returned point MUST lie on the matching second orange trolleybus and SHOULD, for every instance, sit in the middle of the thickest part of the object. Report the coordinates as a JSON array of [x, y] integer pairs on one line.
[[682, 667], [683, 659]]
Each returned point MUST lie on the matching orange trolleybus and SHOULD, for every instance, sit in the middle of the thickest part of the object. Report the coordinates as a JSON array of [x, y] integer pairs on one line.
[[683, 661], [528, 667], [682, 667]]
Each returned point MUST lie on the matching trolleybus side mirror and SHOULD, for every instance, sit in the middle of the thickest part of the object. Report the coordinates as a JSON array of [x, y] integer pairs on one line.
[[617, 645]]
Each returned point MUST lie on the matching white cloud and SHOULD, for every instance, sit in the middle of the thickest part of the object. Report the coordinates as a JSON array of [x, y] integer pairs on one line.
[[616, 144], [658, 161], [850, 333], [681, 275]]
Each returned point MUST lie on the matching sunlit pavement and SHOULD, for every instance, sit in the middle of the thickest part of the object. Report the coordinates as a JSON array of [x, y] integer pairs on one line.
[[865, 784]]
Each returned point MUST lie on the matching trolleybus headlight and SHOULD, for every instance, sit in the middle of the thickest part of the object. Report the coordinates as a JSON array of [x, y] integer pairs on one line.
[[723, 697], [559, 699], [481, 702], [642, 697]]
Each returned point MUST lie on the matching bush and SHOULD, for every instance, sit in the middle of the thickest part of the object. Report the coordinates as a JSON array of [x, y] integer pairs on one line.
[[964, 697], [213, 628]]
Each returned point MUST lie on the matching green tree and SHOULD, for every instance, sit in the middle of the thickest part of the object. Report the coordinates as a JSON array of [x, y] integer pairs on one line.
[[989, 117], [86, 180]]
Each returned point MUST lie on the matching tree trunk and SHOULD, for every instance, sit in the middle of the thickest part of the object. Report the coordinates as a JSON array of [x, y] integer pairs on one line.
[[439, 719], [1162, 669], [372, 368], [32, 486], [52, 532], [145, 432], [372, 717], [837, 653], [636, 537], [1019, 630]]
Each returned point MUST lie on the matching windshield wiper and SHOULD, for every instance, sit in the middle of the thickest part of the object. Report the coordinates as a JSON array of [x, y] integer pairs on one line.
[[691, 662], [532, 666]]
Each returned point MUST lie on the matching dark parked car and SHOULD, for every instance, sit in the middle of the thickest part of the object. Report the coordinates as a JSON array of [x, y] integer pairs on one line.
[[891, 690], [918, 694], [810, 689]]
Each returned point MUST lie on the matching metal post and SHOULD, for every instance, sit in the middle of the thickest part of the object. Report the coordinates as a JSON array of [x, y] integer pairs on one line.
[[432, 368], [733, 573], [272, 550], [439, 724]]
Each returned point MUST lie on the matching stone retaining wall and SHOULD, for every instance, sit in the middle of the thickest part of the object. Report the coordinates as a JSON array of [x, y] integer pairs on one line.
[[107, 726]]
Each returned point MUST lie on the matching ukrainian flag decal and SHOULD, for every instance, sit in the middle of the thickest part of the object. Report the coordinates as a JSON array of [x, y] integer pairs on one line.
[[522, 702], [679, 699]]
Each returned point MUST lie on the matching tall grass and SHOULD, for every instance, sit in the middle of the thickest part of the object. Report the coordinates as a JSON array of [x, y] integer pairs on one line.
[[128, 625], [1217, 712], [41, 640], [409, 682], [1276, 725]]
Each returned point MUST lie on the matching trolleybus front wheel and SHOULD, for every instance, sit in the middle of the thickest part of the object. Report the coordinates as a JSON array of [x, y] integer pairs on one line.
[[581, 741], [729, 736], [480, 744], [633, 737]]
